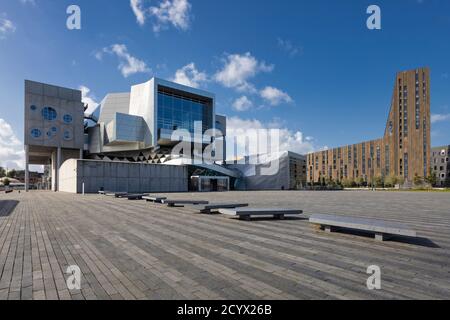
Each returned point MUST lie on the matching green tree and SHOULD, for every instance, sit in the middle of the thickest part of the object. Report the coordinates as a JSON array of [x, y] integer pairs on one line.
[[400, 180], [12, 174], [6, 182], [431, 178], [2, 172]]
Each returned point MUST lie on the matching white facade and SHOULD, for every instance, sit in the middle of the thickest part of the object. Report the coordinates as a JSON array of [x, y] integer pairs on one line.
[[142, 103]]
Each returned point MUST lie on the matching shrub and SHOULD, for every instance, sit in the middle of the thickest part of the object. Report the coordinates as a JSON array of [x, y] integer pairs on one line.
[[348, 183], [361, 182], [390, 181], [418, 181], [378, 182]]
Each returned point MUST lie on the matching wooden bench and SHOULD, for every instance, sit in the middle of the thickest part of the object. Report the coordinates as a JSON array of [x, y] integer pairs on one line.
[[247, 213], [154, 199], [382, 229], [181, 203], [214, 207]]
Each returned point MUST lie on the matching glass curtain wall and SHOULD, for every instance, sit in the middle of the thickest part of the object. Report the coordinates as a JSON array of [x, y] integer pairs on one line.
[[177, 112]]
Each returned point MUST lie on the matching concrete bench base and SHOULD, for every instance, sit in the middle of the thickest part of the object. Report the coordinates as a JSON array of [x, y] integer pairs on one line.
[[135, 196], [247, 213], [383, 230]]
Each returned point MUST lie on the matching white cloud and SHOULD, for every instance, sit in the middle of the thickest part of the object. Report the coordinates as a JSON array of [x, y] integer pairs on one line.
[[190, 76], [6, 26], [12, 152], [171, 12], [166, 13], [89, 99], [239, 69], [439, 117], [128, 65], [99, 55], [242, 104], [32, 2], [289, 48], [275, 96], [289, 140], [138, 10]]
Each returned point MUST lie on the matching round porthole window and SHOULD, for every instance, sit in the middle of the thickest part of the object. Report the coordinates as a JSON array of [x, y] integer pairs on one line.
[[67, 118], [36, 133], [67, 135], [48, 113], [33, 107]]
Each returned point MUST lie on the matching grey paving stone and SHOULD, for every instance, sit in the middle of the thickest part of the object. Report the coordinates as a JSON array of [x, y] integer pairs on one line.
[[140, 250]]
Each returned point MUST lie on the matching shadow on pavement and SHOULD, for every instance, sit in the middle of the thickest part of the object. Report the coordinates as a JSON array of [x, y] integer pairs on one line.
[[7, 207]]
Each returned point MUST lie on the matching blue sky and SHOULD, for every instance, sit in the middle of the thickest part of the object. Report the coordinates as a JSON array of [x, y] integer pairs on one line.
[[309, 67]]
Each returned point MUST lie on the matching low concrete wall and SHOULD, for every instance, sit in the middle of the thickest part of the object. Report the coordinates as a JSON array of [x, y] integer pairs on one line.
[[121, 177], [68, 176]]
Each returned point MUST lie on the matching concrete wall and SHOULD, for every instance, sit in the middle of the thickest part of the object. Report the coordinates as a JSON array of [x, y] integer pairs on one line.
[[68, 176], [121, 177], [56, 132]]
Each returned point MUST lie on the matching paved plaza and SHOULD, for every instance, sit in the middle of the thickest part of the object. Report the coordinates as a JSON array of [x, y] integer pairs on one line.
[[137, 250]]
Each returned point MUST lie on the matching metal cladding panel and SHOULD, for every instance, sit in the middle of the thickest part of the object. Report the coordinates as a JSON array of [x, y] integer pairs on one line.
[[271, 175]]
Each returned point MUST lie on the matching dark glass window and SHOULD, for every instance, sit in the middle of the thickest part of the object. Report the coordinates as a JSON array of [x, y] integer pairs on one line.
[[67, 118], [363, 159], [176, 112], [405, 161], [36, 133], [378, 156], [67, 135], [48, 113], [387, 159]]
